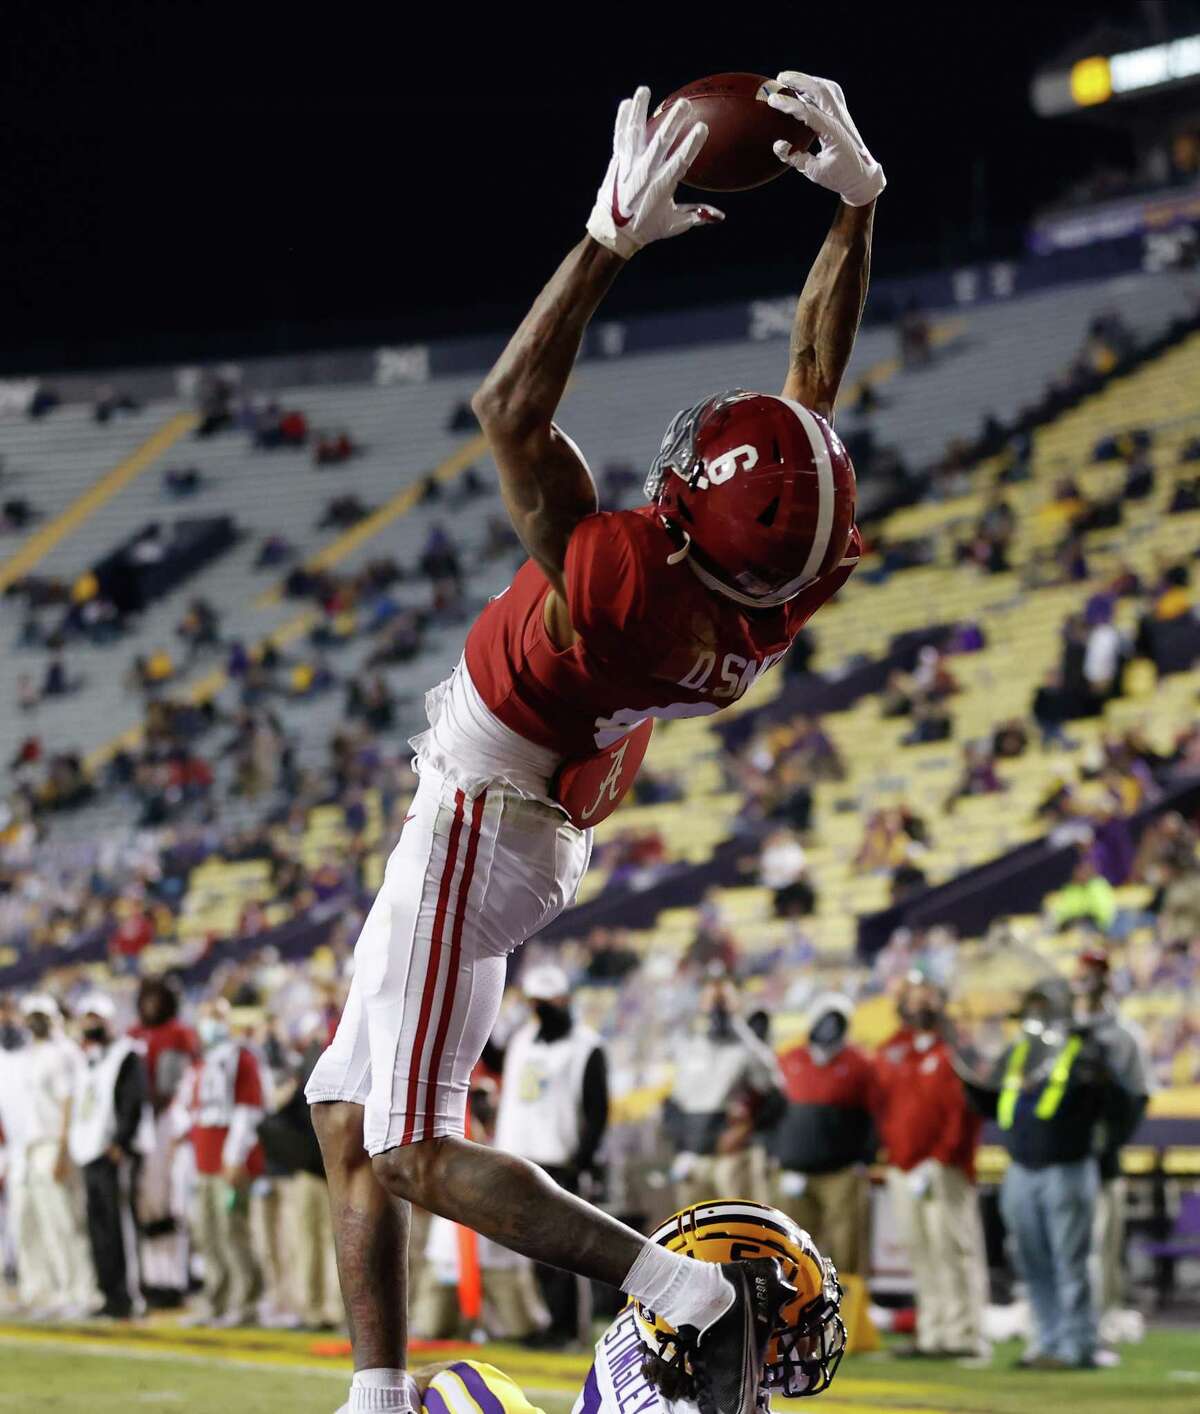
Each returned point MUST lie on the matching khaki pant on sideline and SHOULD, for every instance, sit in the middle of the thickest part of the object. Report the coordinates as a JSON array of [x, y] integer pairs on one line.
[[944, 1237], [512, 1306], [53, 1265], [311, 1267], [232, 1278], [740, 1175], [834, 1210], [1108, 1241]]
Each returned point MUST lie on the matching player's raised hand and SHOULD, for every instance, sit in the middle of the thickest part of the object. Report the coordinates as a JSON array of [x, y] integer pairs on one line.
[[843, 164], [636, 201]]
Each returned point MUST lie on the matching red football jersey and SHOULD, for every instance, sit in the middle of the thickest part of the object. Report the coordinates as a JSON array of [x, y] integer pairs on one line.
[[653, 641]]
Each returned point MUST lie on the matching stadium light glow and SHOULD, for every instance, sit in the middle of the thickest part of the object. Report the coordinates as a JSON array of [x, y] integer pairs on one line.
[[1160, 63], [1102, 77]]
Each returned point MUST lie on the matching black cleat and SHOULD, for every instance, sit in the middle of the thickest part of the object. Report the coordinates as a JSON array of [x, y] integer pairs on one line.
[[728, 1356]]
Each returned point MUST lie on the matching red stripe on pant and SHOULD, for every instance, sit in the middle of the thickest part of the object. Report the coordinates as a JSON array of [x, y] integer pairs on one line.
[[431, 975], [456, 932]]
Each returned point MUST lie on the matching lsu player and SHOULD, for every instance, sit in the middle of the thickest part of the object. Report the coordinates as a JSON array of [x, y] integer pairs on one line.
[[639, 1366], [670, 610]]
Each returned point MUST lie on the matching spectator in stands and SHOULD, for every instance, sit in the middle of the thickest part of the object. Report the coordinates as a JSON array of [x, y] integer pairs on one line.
[[216, 405], [1056, 1099], [274, 550], [1050, 711], [16, 514], [461, 418], [43, 401], [28, 692], [110, 401], [1087, 899], [182, 481], [783, 868], [553, 1110], [610, 960], [825, 1138], [341, 512], [200, 627], [930, 1135], [990, 545], [56, 683], [332, 448], [727, 1087], [916, 349], [931, 722], [979, 776], [1010, 739], [1102, 651], [1186, 495], [219, 1108]]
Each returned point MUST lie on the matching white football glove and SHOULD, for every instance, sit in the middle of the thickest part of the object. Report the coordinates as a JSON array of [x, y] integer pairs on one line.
[[636, 201], [843, 164]]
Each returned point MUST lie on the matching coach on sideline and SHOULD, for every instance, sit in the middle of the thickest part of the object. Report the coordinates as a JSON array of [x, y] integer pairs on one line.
[[826, 1138], [111, 1127]]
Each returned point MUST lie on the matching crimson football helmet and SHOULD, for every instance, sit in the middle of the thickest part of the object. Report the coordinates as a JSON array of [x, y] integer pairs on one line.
[[758, 491]]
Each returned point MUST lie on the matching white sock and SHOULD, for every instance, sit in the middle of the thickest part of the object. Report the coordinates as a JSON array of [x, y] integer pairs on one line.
[[680, 1289], [382, 1390]]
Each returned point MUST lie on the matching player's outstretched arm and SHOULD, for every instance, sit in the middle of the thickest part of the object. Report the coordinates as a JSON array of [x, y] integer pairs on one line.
[[545, 482], [831, 303]]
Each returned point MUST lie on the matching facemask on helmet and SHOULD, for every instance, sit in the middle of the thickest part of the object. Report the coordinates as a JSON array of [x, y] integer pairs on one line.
[[758, 494], [809, 1339]]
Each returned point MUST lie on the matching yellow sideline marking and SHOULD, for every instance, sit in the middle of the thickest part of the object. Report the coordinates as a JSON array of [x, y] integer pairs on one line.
[[46, 537], [400, 504]]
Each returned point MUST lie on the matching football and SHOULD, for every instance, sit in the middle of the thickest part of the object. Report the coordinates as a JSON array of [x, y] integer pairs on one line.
[[742, 130]]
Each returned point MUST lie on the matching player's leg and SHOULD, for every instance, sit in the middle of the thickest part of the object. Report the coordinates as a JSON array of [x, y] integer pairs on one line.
[[370, 1239], [508, 865]]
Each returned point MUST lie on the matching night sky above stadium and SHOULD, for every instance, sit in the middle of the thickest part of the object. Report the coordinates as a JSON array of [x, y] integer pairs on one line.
[[335, 174]]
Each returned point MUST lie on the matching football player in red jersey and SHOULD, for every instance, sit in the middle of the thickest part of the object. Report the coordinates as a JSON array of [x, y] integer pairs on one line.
[[616, 619]]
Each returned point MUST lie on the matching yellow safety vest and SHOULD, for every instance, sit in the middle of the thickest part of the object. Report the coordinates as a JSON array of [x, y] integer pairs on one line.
[[1051, 1096]]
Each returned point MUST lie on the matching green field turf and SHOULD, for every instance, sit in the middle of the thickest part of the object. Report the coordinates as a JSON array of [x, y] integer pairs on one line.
[[242, 1375]]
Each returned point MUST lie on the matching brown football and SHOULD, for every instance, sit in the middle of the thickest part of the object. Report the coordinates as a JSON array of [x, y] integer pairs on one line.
[[742, 130]]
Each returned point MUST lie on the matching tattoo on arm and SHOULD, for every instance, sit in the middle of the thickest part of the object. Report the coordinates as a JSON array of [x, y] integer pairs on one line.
[[545, 482], [830, 309]]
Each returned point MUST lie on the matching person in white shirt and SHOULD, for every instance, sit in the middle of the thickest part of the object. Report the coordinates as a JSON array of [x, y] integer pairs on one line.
[[54, 1273], [111, 1128], [554, 1111]]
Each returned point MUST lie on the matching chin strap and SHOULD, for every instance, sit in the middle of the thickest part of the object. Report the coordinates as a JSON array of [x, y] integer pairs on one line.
[[677, 557]]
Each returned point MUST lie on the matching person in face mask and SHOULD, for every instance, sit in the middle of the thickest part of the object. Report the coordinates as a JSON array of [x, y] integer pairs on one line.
[[931, 1134], [54, 1270], [171, 1048], [1058, 1102], [110, 1129], [554, 1111], [727, 1091], [826, 1137], [219, 1105]]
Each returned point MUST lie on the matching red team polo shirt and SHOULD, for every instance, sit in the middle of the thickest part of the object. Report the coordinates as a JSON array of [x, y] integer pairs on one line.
[[923, 1111], [653, 641]]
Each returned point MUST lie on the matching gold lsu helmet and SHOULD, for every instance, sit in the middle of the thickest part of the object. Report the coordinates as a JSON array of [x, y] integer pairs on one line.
[[809, 1340]]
